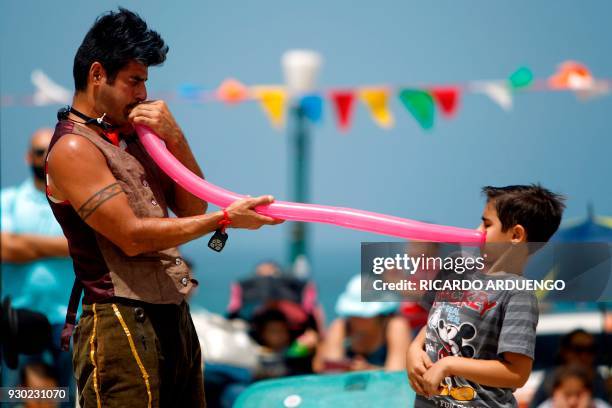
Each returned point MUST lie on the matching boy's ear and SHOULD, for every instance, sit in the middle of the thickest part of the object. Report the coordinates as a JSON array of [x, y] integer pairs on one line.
[[519, 234]]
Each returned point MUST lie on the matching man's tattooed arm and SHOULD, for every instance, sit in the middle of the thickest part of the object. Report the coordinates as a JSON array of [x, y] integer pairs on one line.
[[98, 199]]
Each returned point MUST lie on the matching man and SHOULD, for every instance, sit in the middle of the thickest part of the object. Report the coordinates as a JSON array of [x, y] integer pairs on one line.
[[135, 344], [36, 270]]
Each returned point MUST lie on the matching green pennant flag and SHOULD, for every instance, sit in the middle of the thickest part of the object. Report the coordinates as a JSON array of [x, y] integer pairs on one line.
[[420, 104], [521, 78]]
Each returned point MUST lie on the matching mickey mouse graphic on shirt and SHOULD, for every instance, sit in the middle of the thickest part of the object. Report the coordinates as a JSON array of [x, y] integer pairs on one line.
[[455, 342]]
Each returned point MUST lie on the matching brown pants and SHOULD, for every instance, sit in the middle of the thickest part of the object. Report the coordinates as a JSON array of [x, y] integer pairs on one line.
[[134, 354]]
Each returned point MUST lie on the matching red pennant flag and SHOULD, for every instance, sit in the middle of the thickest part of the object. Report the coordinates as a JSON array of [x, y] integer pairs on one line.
[[343, 102], [447, 99]]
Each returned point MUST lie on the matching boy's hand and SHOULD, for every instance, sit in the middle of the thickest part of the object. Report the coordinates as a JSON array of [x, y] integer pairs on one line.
[[417, 364], [434, 375]]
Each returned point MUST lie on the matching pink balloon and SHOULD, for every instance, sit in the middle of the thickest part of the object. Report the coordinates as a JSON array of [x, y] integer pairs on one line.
[[344, 217]]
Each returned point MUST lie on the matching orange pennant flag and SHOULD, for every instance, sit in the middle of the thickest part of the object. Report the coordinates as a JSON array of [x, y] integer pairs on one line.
[[376, 100], [232, 91], [571, 75]]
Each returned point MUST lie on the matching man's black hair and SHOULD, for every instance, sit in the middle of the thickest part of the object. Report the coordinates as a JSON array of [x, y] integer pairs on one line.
[[115, 39], [537, 209]]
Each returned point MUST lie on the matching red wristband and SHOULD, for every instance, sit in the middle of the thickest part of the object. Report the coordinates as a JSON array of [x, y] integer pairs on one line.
[[225, 222]]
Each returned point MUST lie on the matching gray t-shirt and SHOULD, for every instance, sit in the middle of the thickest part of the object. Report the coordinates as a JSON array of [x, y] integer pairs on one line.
[[483, 325]]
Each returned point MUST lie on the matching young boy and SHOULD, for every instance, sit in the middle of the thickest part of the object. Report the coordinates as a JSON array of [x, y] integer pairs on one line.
[[478, 345]]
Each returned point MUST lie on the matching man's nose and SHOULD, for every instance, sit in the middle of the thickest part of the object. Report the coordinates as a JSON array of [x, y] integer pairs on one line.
[[141, 94], [481, 228]]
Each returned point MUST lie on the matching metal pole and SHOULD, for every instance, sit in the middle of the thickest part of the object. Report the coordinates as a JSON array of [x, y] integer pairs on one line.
[[300, 68], [299, 156]]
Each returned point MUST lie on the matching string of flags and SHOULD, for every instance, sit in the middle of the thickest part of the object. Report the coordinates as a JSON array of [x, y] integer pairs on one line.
[[422, 102]]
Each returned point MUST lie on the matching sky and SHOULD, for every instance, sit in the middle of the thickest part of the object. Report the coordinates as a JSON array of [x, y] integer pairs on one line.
[[434, 176]]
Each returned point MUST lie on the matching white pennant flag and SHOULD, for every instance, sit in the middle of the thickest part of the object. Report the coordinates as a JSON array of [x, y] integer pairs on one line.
[[499, 92], [595, 90], [47, 91]]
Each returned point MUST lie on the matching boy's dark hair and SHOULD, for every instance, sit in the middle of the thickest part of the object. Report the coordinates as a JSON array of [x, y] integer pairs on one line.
[[537, 209], [115, 39]]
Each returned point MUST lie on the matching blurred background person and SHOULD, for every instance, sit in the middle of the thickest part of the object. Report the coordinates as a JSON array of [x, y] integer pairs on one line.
[[410, 307], [282, 317], [36, 271], [39, 376], [572, 387], [577, 349], [367, 336]]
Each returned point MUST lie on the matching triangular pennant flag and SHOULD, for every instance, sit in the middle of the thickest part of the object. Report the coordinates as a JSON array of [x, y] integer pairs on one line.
[[521, 78], [497, 91], [596, 90], [376, 100], [447, 99], [272, 100], [343, 102], [232, 91], [47, 91], [312, 106], [572, 75], [190, 92], [420, 104]]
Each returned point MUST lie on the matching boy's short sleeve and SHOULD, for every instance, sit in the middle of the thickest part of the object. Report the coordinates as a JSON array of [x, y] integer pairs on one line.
[[519, 322]]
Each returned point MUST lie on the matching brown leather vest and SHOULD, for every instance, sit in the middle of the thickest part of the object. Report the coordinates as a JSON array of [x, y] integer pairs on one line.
[[154, 277]]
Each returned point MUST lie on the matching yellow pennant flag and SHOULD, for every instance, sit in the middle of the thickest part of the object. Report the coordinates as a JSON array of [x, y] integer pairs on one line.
[[272, 100], [376, 99]]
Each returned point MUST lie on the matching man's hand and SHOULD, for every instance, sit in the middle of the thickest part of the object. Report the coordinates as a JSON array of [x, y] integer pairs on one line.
[[417, 364], [434, 376], [157, 116], [242, 213]]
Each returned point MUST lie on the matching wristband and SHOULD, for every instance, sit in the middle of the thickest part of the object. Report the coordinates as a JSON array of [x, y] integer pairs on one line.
[[225, 222]]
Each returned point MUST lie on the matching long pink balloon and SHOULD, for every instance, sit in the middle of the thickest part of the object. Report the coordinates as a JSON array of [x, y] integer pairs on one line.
[[344, 217]]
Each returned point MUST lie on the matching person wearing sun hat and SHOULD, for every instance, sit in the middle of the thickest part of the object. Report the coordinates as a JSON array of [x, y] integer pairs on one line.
[[366, 336]]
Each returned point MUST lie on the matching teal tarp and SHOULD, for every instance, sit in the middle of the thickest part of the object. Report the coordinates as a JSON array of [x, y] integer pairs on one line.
[[354, 390]]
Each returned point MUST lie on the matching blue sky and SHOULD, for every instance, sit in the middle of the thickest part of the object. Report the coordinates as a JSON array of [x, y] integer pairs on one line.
[[435, 176]]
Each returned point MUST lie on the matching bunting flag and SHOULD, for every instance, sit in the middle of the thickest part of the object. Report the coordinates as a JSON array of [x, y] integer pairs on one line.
[[47, 91], [420, 100], [571, 75], [232, 91], [312, 105], [376, 100], [447, 99], [191, 92], [521, 78], [497, 91], [272, 100], [343, 103], [420, 104], [597, 90]]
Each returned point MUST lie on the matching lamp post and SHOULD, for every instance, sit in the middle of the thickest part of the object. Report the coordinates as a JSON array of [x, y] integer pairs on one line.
[[300, 68]]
